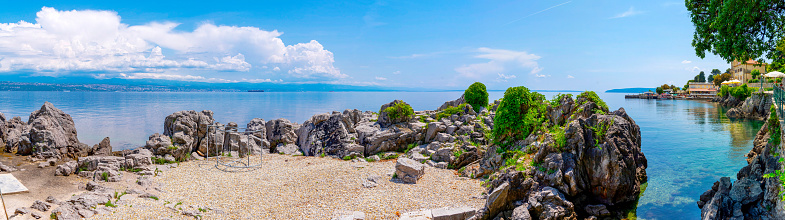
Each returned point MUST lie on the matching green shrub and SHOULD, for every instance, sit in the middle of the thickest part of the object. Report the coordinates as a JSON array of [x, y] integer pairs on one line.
[[476, 95], [741, 92], [591, 96], [556, 101], [450, 111], [559, 137], [518, 114], [724, 91], [399, 110]]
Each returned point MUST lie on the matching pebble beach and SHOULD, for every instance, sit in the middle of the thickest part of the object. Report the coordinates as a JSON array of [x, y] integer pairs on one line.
[[296, 187]]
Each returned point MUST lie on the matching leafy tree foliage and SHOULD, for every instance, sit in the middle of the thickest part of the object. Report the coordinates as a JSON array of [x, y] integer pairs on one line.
[[721, 78], [701, 77], [737, 29], [476, 95], [659, 90], [755, 73], [518, 114]]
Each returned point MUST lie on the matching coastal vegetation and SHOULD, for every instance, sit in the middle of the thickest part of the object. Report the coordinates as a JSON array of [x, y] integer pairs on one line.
[[592, 96], [476, 95], [519, 113], [399, 110], [739, 92]]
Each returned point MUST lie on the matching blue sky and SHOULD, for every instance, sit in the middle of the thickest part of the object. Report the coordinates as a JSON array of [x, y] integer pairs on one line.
[[570, 45]]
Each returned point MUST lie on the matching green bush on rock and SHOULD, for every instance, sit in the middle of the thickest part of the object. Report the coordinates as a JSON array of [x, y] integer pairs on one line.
[[395, 112], [476, 95], [592, 96], [519, 113]]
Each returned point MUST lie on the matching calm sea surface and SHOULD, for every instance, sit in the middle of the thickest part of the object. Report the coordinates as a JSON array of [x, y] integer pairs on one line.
[[689, 144]]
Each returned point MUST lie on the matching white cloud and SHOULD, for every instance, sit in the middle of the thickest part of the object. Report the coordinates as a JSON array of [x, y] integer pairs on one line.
[[570, 77], [68, 42], [628, 13], [541, 75], [503, 78], [396, 72], [686, 62], [380, 78], [693, 69], [500, 61]]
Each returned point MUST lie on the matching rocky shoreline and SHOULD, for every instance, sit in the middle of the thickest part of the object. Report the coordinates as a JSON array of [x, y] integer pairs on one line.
[[583, 162], [756, 192]]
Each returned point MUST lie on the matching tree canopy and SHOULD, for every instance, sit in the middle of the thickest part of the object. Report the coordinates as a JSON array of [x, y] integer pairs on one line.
[[721, 78], [701, 77], [737, 29]]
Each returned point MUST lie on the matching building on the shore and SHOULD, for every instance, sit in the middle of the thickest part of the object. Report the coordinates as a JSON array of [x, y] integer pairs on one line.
[[702, 90], [743, 71]]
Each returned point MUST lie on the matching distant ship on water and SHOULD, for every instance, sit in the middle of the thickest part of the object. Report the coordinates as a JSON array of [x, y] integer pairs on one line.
[[255, 90]]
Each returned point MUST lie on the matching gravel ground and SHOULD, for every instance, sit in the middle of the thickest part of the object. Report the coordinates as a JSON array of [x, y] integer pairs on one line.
[[287, 187]]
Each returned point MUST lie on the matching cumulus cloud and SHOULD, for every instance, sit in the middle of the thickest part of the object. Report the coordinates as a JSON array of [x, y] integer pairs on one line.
[[628, 13], [396, 72], [500, 61], [380, 78], [570, 77], [67, 42], [541, 75], [686, 62]]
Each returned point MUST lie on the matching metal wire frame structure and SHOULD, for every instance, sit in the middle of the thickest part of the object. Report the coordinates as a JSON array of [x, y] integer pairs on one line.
[[244, 161]]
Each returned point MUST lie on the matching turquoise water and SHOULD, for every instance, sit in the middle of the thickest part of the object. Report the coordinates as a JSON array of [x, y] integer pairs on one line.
[[689, 144]]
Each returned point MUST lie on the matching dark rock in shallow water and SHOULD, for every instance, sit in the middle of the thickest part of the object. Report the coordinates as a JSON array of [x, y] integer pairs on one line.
[[752, 196], [754, 107]]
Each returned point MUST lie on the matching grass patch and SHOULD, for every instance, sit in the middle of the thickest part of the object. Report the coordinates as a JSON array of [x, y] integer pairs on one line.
[[450, 111], [600, 129], [105, 176], [109, 204]]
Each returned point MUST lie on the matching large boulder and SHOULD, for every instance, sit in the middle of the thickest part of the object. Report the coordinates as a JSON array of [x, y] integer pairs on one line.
[[281, 131], [17, 137], [52, 131], [550, 204], [102, 149], [187, 129], [608, 168], [408, 170], [328, 133]]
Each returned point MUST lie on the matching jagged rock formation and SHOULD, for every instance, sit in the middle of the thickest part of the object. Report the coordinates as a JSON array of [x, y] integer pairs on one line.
[[48, 133], [727, 101], [752, 196], [755, 107], [597, 172]]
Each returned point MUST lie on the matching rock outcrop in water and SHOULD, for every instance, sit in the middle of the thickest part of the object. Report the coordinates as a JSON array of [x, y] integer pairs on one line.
[[755, 107], [589, 176], [752, 196]]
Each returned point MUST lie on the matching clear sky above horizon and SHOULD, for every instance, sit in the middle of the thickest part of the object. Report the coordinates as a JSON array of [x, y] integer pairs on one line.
[[554, 45]]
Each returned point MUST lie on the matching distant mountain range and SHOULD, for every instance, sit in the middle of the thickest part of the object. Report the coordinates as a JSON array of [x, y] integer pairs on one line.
[[630, 90]]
